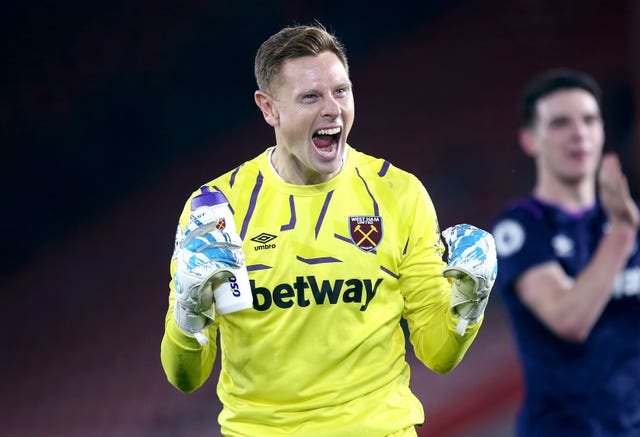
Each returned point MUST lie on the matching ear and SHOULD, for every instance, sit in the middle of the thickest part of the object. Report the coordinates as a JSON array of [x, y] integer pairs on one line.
[[267, 107], [527, 141]]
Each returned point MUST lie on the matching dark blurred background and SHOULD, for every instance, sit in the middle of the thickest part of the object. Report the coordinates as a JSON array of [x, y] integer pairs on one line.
[[111, 113]]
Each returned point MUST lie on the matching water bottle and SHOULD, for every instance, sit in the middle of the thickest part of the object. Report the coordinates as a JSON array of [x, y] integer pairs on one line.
[[209, 211]]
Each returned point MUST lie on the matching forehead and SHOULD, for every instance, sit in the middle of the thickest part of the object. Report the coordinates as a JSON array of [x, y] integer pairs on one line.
[[311, 72], [567, 102]]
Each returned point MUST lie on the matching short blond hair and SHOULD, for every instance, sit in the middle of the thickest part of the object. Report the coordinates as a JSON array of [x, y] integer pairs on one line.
[[294, 42]]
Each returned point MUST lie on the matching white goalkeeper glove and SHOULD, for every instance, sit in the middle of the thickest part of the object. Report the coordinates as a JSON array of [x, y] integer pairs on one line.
[[205, 261], [473, 266]]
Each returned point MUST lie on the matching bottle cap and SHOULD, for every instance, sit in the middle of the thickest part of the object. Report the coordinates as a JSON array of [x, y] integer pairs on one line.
[[207, 198]]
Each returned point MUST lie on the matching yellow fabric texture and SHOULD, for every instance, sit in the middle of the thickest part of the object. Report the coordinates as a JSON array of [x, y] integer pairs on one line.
[[333, 268]]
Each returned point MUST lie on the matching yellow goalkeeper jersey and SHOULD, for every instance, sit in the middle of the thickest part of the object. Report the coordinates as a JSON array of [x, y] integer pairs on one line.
[[333, 268]]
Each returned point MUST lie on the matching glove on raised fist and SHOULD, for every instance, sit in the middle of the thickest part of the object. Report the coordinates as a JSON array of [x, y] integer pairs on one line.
[[473, 266], [204, 261]]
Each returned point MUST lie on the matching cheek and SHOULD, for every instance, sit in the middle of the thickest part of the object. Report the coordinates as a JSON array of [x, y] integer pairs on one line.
[[348, 106], [348, 114], [352, 111], [598, 138], [555, 142], [295, 128], [297, 118]]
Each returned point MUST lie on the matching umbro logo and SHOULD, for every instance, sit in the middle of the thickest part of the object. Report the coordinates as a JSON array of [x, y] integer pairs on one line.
[[263, 239]]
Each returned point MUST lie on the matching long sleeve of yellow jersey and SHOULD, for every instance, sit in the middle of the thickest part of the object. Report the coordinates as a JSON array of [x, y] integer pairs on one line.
[[427, 293], [186, 364]]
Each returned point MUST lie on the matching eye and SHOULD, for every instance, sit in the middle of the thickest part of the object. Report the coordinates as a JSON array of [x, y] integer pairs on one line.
[[559, 122], [340, 92], [591, 119], [309, 98]]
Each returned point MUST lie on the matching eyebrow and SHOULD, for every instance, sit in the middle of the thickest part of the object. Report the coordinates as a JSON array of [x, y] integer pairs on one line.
[[317, 90]]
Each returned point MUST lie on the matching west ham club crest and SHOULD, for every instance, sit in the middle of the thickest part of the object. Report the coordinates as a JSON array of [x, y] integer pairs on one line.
[[366, 231]]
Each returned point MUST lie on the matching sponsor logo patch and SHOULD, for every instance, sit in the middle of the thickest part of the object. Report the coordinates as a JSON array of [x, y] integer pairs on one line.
[[366, 231], [306, 290]]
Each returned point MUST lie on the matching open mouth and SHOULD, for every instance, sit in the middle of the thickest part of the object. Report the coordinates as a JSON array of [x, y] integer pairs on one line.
[[578, 155], [327, 140]]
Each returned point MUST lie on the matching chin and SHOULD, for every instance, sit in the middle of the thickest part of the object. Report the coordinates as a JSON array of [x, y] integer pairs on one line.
[[328, 167]]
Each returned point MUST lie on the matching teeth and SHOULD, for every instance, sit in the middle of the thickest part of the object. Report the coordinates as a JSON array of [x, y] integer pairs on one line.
[[334, 131]]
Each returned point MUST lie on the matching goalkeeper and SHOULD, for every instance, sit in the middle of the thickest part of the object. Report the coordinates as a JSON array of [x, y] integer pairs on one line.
[[339, 246]]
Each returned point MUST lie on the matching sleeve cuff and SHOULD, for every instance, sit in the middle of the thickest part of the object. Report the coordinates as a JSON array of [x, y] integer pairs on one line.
[[181, 338]]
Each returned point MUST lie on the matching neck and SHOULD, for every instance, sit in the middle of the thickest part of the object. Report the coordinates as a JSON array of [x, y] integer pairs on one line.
[[572, 196], [290, 170]]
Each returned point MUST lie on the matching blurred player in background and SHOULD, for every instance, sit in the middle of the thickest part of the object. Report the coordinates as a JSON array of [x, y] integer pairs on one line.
[[339, 247], [570, 269]]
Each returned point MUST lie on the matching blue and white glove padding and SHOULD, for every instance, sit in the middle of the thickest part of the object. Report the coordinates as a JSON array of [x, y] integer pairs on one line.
[[473, 266], [204, 262]]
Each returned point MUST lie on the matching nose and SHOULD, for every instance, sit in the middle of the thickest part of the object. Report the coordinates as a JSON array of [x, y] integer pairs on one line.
[[331, 108], [580, 129]]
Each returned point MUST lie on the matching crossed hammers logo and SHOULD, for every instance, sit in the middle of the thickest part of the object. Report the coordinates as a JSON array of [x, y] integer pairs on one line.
[[365, 236], [366, 231]]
